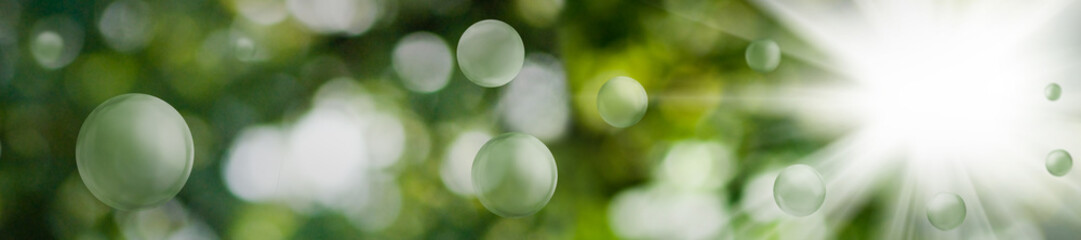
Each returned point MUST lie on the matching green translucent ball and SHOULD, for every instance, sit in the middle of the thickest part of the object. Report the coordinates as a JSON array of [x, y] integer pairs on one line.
[[763, 55], [946, 211], [799, 190], [1053, 91], [1059, 162], [134, 151], [514, 175], [622, 102], [490, 53]]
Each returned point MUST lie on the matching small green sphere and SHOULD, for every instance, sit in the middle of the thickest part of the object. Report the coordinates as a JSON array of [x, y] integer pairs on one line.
[[622, 102], [514, 175], [134, 151], [490, 53], [799, 190], [763, 55], [1059, 162], [1053, 91], [946, 211]]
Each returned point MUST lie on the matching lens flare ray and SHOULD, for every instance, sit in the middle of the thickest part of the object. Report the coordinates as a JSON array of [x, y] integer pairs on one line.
[[927, 97]]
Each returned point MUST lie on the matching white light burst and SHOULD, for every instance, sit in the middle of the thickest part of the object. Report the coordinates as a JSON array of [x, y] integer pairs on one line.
[[938, 96]]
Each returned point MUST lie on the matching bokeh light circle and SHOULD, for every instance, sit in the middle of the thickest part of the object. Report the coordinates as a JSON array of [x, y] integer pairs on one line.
[[126, 25], [456, 169], [134, 151], [537, 101], [47, 46], [253, 164], [262, 12], [349, 17], [423, 61], [56, 41]]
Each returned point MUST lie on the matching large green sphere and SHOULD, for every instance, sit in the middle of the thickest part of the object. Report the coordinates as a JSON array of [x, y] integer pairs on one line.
[[799, 190], [490, 53], [946, 211], [1059, 162], [763, 55], [134, 151], [622, 102], [514, 175]]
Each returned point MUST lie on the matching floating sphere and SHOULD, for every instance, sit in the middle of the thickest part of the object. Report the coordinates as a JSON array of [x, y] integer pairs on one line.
[[1059, 162], [514, 175], [1053, 91], [763, 55], [799, 190], [946, 211], [134, 151], [490, 53], [423, 61], [622, 102]]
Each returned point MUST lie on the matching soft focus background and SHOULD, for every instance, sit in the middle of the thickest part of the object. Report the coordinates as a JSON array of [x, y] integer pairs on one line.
[[305, 129]]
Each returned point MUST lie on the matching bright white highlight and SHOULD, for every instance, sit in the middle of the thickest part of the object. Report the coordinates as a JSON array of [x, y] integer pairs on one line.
[[653, 212], [457, 167], [327, 149], [347, 17], [939, 86], [338, 156], [929, 97], [537, 102], [255, 162]]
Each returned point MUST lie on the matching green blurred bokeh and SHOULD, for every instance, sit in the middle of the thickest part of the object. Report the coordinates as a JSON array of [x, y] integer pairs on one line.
[[229, 66]]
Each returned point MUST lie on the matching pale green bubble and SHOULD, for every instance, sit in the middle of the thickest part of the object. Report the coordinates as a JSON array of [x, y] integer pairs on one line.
[[1059, 162], [514, 175], [134, 151], [47, 47], [490, 53], [799, 190], [946, 211], [1053, 91], [763, 55], [622, 102]]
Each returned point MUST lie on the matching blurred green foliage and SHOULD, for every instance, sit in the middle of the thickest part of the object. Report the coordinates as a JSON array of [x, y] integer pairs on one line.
[[687, 54]]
